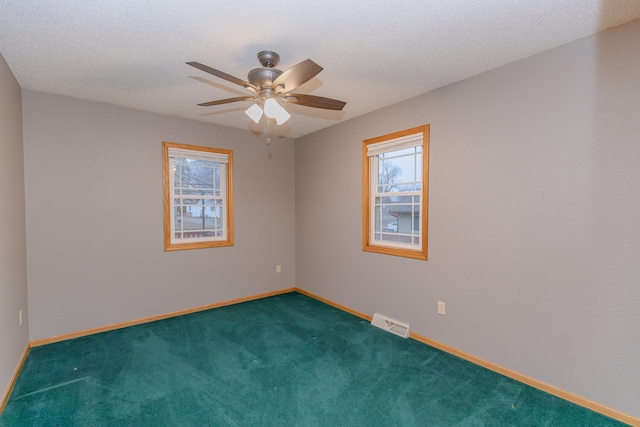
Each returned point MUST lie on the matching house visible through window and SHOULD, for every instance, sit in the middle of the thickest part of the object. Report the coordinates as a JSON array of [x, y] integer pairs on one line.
[[198, 196], [395, 184]]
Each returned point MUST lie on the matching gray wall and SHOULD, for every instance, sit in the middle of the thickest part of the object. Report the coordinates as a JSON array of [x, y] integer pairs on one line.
[[534, 218], [13, 261], [93, 179]]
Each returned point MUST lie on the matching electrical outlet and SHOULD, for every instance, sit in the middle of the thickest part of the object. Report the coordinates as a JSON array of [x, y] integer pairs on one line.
[[20, 317], [278, 268], [441, 308]]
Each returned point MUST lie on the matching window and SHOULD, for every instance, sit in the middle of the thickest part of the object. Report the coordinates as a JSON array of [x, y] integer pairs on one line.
[[394, 193], [198, 196]]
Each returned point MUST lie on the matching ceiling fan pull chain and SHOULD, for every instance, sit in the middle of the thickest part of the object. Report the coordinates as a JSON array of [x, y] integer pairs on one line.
[[268, 132]]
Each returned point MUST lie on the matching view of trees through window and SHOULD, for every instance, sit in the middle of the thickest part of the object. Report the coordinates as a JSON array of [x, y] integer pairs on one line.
[[198, 198], [397, 203]]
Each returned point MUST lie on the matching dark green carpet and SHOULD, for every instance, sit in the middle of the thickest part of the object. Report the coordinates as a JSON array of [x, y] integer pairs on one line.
[[287, 360]]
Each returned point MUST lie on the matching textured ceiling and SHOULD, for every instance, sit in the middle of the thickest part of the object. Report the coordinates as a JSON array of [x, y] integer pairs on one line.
[[376, 53]]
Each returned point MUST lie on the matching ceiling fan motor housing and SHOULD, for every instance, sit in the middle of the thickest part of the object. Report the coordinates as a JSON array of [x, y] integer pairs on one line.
[[263, 77]]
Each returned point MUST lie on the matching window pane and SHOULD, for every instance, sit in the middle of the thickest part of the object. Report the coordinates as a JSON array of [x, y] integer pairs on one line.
[[206, 163], [388, 175], [176, 175], [399, 173], [396, 238], [407, 167], [177, 218], [210, 223], [395, 199], [193, 223], [398, 167], [191, 201], [216, 176], [197, 192], [197, 177]]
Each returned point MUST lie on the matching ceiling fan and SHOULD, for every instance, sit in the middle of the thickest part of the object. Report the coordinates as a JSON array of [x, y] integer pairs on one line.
[[269, 85]]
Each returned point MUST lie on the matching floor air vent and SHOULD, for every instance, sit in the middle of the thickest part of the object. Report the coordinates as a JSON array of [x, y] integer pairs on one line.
[[390, 325]]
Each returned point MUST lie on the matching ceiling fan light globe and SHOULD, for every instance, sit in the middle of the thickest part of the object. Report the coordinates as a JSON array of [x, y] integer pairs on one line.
[[271, 108], [282, 117], [254, 112]]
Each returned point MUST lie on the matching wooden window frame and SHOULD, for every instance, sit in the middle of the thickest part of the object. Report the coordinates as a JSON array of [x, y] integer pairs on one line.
[[168, 197], [368, 245]]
